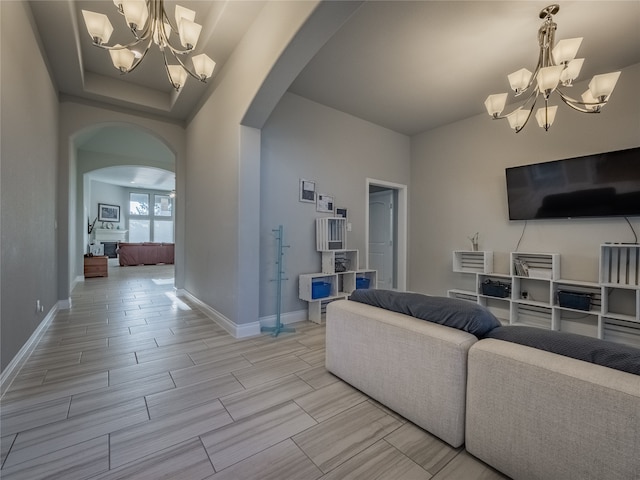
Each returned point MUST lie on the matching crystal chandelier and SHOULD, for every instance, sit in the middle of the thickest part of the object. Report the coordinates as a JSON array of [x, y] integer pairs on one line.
[[149, 24], [557, 67]]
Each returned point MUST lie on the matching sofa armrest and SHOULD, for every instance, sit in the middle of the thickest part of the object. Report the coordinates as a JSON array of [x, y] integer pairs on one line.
[[414, 367], [533, 414]]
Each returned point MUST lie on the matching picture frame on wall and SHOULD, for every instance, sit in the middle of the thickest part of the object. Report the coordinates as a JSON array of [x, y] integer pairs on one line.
[[307, 191], [325, 203], [341, 212], [108, 213]]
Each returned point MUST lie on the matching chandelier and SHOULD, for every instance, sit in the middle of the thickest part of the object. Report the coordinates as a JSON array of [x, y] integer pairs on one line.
[[149, 24], [557, 67]]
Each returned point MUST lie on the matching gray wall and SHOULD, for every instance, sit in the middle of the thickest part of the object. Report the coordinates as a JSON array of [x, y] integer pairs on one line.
[[111, 194], [29, 109], [303, 139], [458, 183], [223, 199]]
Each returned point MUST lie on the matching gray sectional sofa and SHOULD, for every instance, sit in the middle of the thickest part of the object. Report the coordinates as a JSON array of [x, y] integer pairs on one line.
[[530, 413]]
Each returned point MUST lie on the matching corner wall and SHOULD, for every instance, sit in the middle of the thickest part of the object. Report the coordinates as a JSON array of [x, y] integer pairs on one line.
[[28, 171], [304, 139], [458, 188], [223, 142]]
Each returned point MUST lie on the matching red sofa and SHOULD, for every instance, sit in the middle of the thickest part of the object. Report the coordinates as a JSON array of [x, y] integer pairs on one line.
[[146, 253]]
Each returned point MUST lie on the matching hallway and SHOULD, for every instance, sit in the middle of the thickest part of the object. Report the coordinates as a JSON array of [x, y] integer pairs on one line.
[[135, 383]]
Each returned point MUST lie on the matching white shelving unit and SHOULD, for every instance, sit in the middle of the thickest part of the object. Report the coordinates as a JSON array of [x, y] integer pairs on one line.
[[331, 233], [535, 283], [340, 268]]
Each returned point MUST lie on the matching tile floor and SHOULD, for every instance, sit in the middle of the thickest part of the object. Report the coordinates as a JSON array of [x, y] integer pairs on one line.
[[134, 383]]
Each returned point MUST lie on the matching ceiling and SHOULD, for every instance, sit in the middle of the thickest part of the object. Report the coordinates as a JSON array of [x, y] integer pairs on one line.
[[409, 66]]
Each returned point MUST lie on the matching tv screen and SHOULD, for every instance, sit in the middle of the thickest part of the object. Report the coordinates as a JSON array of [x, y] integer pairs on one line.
[[601, 185]]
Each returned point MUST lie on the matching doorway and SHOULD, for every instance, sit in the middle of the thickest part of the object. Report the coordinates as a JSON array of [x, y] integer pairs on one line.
[[386, 230]]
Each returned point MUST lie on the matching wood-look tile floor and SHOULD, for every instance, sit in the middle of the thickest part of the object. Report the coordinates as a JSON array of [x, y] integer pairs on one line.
[[134, 383]]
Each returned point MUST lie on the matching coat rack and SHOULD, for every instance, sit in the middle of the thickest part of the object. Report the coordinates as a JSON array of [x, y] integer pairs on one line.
[[275, 331]]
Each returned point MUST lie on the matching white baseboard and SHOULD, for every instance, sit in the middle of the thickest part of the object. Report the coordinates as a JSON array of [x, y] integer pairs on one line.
[[64, 304], [237, 331], [12, 370], [285, 318]]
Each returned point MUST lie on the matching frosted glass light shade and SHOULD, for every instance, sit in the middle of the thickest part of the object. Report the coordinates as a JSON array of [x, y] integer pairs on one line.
[[98, 26], [189, 32], [518, 118], [122, 58], [182, 12], [566, 50], [135, 12], [572, 71], [594, 105], [548, 78], [178, 75], [203, 66], [495, 103], [546, 115], [519, 80], [601, 86]]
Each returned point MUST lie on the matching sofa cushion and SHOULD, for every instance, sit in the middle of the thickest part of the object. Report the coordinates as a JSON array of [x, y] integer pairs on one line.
[[450, 312], [601, 352]]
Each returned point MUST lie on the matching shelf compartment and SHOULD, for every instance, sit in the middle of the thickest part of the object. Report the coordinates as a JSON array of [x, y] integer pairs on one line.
[[463, 295], [576, 321], [370, 275], [531, 315], [538, 291], [465, 261], [620, 264], [337, 261], [502, 279], [620, 331], [331, 233], [535, 265], [621, 303], [500, 307], [591, 289], [305, 285]]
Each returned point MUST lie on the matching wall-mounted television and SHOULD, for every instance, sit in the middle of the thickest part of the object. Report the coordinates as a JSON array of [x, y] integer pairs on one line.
[[601, 185]]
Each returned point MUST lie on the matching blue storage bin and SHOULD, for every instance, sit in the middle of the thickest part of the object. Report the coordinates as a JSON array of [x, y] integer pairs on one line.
[[362, 282], [320, 289]]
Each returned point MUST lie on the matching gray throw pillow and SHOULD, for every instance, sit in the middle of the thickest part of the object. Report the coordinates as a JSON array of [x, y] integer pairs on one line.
[[588, 349], [451, 312]]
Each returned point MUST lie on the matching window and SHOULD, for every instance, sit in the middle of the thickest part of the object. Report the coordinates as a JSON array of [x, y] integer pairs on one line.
[[139, 204], [162, 206], [148, 224]]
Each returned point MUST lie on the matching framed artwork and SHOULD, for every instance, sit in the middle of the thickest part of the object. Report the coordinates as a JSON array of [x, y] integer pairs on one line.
[[341, 212], [108, 213], [307, 191], [324, 203]]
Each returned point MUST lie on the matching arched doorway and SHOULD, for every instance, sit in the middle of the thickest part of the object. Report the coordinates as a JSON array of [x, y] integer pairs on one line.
[[117, 164]]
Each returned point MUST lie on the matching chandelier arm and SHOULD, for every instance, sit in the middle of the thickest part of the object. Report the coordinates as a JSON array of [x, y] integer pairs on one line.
[[533, 104], [138, 61], [188, 70], [164, 39], [166, 69], [121, 47], [575, 104], [534, 94]]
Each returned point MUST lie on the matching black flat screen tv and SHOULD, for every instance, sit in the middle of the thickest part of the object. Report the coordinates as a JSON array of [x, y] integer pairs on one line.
[[601, 185]]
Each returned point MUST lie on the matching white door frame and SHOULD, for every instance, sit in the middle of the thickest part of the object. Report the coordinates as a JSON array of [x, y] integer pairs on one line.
[[401, 246]]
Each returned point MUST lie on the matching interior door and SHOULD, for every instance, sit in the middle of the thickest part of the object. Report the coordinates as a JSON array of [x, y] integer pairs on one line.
[[381, 237]]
